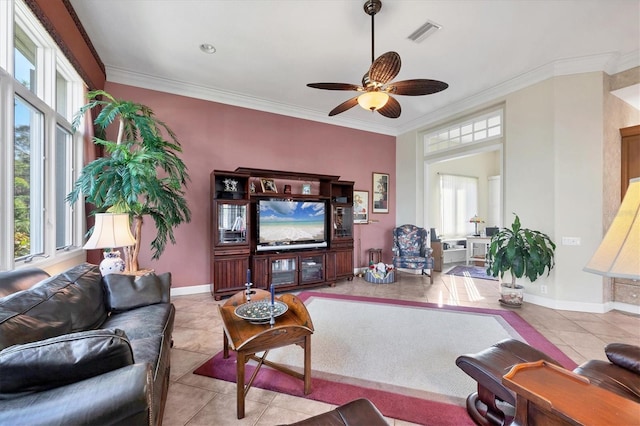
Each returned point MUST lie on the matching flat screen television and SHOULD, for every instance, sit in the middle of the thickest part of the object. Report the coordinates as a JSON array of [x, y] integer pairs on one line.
[[289, 224]]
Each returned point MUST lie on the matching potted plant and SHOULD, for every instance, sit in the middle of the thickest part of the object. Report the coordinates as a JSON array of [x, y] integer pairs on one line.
[[522, 252], [140, 174]]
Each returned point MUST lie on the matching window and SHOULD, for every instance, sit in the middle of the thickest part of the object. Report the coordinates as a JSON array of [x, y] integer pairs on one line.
[[63, 161], [42, 152], [24, 59], [458, 204], [481, 128], [28, 181]]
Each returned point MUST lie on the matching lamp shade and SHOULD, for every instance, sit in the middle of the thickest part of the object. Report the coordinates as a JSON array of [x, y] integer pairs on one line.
[[619, 252], [373, 100], [476, 219], [110, 230]]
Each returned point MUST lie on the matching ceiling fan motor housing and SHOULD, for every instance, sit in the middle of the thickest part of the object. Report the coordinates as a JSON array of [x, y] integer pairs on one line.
[[371, 7]]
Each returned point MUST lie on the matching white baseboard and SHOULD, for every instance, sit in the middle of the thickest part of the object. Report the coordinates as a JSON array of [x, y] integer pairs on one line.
[[193, 289], [568, 305], [625, 307]]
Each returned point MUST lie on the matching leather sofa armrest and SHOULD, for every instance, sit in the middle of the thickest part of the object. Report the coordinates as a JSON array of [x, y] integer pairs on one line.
[[119, 397], [624, 355], [20, 279]]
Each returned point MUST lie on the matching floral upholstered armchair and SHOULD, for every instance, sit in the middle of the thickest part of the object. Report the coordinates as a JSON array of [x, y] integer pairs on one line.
[[410, 249]]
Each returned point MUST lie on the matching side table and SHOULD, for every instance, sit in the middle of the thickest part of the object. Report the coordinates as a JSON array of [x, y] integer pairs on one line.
[[375, 255], [471, 241], [294, 327], [550, 395]]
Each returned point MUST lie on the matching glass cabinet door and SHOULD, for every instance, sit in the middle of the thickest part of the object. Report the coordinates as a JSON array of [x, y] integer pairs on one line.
[[342, 222], [283, 271], [232, 223], [311, 269]]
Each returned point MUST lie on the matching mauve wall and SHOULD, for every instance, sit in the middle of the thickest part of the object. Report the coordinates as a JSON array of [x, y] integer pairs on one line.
[[221, 137]]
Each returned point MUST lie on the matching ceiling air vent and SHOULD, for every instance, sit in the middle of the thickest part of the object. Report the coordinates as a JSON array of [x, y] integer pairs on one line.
[[424, 31]]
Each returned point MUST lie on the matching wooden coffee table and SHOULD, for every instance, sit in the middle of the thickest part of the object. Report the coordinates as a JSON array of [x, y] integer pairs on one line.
[[247, 339]]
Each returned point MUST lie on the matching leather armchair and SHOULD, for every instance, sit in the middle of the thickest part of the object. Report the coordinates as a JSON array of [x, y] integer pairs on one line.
[[494, 403], [411, 249]]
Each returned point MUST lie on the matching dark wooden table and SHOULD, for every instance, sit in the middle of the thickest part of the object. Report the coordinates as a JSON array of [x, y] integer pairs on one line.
[[550, 395], [247, 339]]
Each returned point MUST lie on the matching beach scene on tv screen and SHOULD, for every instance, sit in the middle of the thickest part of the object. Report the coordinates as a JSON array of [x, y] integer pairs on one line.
[[282, 221]]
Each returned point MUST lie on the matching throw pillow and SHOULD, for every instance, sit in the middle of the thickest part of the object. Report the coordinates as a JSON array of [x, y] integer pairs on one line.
[[126, 292], [61, 360]]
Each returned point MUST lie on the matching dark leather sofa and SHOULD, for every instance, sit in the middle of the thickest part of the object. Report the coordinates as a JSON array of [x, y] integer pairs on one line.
[[360, 412], [80, 349], [494, 403], [20, 279]]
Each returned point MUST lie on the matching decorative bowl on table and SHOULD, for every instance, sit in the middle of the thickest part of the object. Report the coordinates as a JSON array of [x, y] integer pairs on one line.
[[259, 312]]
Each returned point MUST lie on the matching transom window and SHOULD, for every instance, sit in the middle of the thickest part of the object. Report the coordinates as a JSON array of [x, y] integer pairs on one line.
[[474, 130], [39, 91]]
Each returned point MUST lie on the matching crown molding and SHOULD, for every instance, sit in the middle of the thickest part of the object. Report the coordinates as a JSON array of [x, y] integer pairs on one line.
[[610, 63], [145, 81]]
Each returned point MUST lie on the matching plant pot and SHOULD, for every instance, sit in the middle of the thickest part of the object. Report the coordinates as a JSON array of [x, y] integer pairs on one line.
[[511, 297]]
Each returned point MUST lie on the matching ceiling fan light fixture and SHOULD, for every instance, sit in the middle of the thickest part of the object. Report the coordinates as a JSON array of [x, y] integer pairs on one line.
[[373, 101], [377, 82]]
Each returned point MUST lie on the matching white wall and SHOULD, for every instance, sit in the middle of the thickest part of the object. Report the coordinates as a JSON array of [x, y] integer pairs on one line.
[[409, 181], [552, 175], [578, 136]]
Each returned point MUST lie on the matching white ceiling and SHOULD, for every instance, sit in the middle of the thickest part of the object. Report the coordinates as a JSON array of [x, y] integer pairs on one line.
[[268, 50]]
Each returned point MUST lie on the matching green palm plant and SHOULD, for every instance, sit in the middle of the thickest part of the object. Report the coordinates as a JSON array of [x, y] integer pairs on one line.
[[522, 251], [141, 173]]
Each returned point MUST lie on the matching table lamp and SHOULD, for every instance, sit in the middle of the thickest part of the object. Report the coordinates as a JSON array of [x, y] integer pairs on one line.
[[111, 230], [476, 220], [618, 255]]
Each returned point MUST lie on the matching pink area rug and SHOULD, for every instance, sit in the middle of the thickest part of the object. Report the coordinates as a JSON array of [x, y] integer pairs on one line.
[[392, 402]]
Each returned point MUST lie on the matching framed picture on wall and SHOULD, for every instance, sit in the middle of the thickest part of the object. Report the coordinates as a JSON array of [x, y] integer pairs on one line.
[[380, 192], [360, 206]]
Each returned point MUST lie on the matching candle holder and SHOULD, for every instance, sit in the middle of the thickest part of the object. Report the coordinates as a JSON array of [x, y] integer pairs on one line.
[[248, 285], [248, 292], [272, 320]]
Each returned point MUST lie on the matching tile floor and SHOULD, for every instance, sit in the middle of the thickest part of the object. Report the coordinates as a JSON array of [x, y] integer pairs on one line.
[[196, 400]]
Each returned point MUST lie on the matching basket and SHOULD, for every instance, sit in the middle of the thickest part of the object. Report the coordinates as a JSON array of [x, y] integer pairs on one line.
[[388, 279]]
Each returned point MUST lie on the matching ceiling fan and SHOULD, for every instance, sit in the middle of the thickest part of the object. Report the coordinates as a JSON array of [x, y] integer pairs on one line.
[[376, 87]]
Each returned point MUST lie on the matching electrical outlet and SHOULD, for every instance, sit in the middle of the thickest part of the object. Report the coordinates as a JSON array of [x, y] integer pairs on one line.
[[570, 241], [543, 289]]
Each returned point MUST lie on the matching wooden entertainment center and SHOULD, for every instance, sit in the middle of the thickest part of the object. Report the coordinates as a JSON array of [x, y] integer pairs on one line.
[[236, 197]]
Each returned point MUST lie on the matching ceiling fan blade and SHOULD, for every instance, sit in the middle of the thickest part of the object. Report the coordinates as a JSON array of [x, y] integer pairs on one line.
[[344, 106], [385, 67], [391, 109], [416, 87], [335, 86]]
